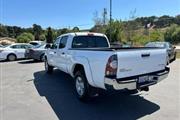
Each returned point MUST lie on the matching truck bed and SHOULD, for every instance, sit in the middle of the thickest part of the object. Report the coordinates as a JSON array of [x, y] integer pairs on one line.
[[114, 48]]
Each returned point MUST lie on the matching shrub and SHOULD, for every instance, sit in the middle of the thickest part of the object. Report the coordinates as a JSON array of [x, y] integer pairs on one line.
[[25, 38], [172, 34]]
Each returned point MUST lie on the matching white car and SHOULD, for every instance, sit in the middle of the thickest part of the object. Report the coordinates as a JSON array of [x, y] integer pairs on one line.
[[90, 60], [14, 51]]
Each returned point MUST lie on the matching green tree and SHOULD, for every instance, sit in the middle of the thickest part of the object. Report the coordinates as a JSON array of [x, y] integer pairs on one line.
[[130, 27], [42, 37], [18, 30], [25, 38], [156, 35], [115, 31], [3, 31], [172, 34], [140, 39], [75, 29], [11, 32], [49, 36], [99, 29], [177, 20], [176, 36], [37, 30]]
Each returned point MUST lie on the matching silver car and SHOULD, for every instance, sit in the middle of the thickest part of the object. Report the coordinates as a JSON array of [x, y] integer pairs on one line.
[[36, 53], [171, 52]]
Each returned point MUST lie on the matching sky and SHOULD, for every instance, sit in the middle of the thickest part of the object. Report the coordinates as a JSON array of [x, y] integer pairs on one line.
[[71, 13]]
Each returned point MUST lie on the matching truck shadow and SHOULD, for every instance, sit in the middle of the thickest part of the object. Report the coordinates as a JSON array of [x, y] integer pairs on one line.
[[58, 89], [29, 61]]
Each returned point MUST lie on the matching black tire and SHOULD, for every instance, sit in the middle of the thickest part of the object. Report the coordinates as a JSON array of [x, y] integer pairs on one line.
[[11, 57], [168, 61], [130, 92], [35, 60], [84, 93], [174, 58], [48, 68]]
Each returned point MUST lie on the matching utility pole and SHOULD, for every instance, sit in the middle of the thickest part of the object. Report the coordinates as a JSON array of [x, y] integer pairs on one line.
[[110, 19], [104, 16]]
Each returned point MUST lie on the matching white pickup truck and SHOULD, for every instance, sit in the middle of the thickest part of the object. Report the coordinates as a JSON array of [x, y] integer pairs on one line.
[[90, 60]]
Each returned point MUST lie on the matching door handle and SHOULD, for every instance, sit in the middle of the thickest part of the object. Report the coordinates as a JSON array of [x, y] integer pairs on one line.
[[62, 53], [145, 55]]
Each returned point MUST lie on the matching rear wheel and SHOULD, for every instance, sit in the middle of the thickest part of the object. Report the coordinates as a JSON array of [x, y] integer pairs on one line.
[[48, 68], [174, 58], [82, 86], [11, 57], [168, 61], [132, 92]]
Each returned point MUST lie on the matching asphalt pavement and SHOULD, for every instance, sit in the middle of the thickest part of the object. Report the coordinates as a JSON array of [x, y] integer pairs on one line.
[[28, 93]]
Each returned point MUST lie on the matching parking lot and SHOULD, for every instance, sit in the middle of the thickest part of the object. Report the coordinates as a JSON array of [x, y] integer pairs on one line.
[[28, 93]]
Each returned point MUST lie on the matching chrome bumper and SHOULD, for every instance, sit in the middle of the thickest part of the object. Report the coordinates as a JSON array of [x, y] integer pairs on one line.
[[132, 83]]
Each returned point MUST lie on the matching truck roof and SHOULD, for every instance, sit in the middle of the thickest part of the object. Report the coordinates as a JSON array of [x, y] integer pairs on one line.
[[84, 34]]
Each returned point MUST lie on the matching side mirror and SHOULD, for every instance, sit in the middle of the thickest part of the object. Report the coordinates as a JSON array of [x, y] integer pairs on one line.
[[48, 46]]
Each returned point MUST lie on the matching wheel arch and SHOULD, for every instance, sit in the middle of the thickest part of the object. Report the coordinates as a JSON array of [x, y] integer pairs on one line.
[[87, 71], [41, 55], [11, 54]]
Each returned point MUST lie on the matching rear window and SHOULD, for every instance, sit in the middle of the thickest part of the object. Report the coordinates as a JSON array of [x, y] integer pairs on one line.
[[34, 43], [89, 42], [161, 45]]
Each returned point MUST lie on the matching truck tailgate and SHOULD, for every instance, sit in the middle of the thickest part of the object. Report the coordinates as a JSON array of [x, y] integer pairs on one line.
[[140, 61]]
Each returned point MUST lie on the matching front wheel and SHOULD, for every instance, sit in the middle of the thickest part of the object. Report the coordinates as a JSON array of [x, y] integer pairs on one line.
[[48, 68], [11, 57], [82, 86], [168, 61]]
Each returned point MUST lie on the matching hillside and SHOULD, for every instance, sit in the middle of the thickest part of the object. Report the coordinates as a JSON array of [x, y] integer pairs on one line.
[[135, 31]]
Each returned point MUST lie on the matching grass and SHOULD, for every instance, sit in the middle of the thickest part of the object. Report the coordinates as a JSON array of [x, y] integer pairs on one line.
[[178, 55]]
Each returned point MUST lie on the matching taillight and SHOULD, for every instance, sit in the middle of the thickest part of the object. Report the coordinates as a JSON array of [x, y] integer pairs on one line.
[[111, 66]]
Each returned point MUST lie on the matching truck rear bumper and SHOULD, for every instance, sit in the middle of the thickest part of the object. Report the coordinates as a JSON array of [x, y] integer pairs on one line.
[[132, 83]]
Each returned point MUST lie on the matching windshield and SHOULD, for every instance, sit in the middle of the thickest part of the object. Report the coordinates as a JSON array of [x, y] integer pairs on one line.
[[89, 42], [40, 46], [162, 45]]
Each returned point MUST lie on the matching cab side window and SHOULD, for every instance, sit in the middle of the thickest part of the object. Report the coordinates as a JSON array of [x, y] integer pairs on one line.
[[55, 44], [24, 46], [16, 46], [63, 42]]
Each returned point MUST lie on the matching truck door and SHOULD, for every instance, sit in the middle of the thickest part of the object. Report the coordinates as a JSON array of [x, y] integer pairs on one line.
[[52, 53], [62, 54], [18, 50]]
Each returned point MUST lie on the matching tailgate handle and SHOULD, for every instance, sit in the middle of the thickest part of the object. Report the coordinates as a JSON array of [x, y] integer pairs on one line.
[[145, 55]]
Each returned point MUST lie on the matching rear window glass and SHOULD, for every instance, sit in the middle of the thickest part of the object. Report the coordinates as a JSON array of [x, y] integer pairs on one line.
[[162, 45], [34, 43], [89, 42]]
